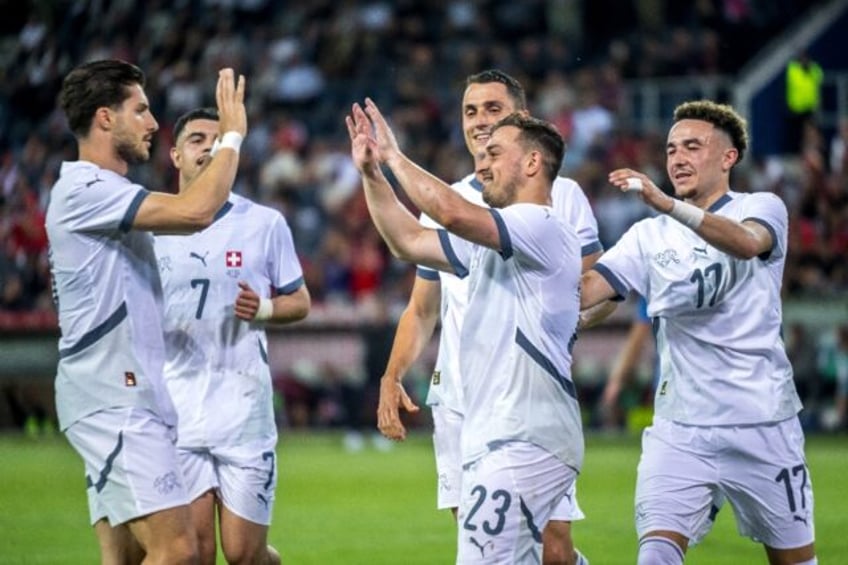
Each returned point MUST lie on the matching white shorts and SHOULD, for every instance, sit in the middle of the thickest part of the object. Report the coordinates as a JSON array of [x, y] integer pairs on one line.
[[760, 470], [508, 496], [245, 486], [130, 462], [447, 430], [568, 509]]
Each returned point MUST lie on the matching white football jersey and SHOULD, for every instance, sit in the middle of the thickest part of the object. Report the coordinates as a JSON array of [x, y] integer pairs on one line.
[[515, 354], [717, 319], [108, 296], [217, 365], [570, 202]]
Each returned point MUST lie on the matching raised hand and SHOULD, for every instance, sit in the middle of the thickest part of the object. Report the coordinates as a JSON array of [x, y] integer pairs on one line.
[[363, 146], [229, 95], [387, 144], [630, 180]]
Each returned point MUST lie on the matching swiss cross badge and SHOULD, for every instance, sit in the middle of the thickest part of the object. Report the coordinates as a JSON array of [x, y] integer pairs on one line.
[[233, 259]]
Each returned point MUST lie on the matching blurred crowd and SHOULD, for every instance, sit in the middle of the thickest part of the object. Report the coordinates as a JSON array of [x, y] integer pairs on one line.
[[306, 62]]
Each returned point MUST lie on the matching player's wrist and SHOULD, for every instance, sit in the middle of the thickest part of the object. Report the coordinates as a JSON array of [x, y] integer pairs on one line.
[[687, 214], [230, 140], [265, 310]]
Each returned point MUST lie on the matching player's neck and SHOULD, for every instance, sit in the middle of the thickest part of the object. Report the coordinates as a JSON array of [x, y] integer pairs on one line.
[[102, 155]]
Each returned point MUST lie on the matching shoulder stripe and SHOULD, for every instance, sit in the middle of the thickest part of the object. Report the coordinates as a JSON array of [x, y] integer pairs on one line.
[[459, 269], [503, 233], [129, 216], [540, 358], [98, 332]]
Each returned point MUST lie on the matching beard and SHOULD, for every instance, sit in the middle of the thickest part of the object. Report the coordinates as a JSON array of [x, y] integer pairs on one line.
[[129, 150], [500, 199]]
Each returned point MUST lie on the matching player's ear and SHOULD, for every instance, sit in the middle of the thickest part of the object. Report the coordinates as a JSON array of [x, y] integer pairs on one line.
[[104, 119], [176, 157], [730, 157]]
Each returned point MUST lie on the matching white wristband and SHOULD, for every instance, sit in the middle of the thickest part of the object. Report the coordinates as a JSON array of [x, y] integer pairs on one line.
[[265, 310], [687, 214], [231, 139]]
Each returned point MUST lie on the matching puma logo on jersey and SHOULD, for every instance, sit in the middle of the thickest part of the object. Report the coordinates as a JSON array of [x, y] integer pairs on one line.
[[202, 259], [482, 548], [437, 377], [95, 181], [701, 250], [663, 388], [666, 257]]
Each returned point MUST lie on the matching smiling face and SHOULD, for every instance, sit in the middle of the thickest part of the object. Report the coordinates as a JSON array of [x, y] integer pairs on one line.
[[698, 159], [483, 104], [191, 153], [134, 127], [501, 167]]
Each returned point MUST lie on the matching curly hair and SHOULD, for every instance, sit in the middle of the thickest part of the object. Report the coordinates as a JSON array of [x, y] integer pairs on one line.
[[721, 116]]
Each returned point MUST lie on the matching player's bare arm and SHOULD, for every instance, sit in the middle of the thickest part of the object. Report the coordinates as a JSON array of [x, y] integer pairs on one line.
[[194, 207], [743, 240], [415, 328], [434, 197], [405, 237]]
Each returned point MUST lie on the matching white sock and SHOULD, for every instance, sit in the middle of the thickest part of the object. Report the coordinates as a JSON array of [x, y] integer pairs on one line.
[[813, 561], [657, 550], [581, 559]]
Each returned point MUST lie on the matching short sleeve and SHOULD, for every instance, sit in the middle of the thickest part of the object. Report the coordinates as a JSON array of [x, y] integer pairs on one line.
[[570, 201], [101, 206], [623, 266], [285, 271], [769, 211], [534, 234]]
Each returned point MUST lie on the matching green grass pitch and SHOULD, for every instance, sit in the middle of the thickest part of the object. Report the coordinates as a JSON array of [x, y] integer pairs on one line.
[[375, 508]]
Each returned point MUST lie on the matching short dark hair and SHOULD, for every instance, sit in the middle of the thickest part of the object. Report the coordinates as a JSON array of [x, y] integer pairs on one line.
[[540, 135], [513, 87], [721, 116], [208, 113], [94, 85]]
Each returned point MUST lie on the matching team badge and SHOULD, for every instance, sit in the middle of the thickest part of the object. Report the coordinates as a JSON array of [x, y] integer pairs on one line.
[[129, 378], [437, 377], [233, 259]]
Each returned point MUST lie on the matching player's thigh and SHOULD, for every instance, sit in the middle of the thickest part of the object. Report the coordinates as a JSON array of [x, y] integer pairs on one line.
[[242, 540], [768, 483], [248, 481], [130, 463], [507, 499], [676, 480], [447, 427]]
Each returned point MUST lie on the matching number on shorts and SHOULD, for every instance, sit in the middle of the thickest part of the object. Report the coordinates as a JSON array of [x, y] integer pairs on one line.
[[204, 289], [265, 457], [499, 495], [784, 476]]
